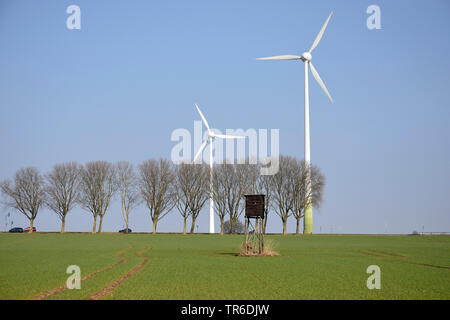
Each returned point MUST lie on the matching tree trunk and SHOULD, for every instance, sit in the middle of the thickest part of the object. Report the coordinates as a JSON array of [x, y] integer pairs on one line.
[[125, 216], [284, 227], [184, 225], [155, 222], [126, 221], [231, 225], [100, 225], [298, 225], [193, 224], [221, 226], [31, 226], [265, 222], [95, 224], [63, 223]]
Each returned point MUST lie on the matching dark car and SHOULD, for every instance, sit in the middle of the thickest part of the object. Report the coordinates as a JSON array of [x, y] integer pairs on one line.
[[16, 229], [28, 229], [125, 230]]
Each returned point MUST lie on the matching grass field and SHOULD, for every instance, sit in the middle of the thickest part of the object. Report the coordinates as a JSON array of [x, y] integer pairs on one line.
[[175, 266]]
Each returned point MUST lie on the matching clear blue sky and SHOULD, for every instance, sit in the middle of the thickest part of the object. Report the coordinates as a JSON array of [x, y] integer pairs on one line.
[[117, 88]]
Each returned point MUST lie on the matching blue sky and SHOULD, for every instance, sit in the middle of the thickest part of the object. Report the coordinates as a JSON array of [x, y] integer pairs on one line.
[[117, 88]]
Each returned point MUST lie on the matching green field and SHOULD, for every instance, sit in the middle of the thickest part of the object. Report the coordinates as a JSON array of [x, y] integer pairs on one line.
[[175, 266]]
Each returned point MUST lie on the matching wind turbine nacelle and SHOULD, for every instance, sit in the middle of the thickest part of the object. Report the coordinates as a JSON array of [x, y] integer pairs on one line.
[[306, 56]]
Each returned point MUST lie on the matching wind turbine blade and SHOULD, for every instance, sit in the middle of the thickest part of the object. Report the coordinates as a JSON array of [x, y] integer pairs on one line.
[[319, 80], [203, 118], [319, 36], [283, 57], [224, 136], [200, 149]]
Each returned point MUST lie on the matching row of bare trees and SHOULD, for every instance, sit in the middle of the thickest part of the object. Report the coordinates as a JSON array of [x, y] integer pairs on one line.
[[162, 186], [286, 192], [92, 187]]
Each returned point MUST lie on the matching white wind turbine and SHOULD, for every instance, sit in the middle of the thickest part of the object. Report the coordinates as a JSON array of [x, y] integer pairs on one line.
[[211, 136], [306, 58]]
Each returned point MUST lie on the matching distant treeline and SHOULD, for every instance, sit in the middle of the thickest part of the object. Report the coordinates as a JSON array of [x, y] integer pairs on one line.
[[162, 186]]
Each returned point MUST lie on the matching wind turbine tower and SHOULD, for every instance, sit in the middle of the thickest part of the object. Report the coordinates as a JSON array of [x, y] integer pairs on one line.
[[306, 58]]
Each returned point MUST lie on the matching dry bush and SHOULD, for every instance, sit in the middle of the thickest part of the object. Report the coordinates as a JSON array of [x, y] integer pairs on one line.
[[269, 247], [251, 251]]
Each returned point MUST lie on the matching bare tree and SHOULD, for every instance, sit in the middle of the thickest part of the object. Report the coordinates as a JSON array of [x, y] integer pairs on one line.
[[156, 179], [26, 194], [302, 194], [232, 183], [220, 194], [190, 191], [202, 194], [128, 188], [183, 180], [97, 187], [283, 187], [62, 189]]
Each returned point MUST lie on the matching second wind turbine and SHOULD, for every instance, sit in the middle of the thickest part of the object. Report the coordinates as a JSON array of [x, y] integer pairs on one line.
[[209, 139]]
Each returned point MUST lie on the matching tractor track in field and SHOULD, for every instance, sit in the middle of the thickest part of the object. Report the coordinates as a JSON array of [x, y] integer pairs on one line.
[[426, 265], [108, 289], [384, 255], [120, 255], [263, 282]]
